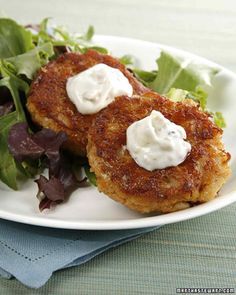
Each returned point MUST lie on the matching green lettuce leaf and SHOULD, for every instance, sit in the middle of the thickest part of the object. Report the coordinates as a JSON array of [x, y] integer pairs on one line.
[[89, 34], [127, 60], [100, 49], [9, 169], [176, 94], [30, 62], [219, 119], [175, 73], [172, 72], [15, 85], [59, 36], [145, 77], [180, 80], [90, 175], [14, 39], [199, 96]]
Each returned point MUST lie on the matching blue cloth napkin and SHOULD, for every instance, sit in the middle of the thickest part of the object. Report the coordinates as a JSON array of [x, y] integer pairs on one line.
[[31, 253]]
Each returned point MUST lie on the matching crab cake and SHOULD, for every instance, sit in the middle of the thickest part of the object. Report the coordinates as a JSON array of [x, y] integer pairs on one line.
[[48, 102], [194, 181]]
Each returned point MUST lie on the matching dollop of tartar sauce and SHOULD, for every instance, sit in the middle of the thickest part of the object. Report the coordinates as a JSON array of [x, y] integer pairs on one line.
[[157, 143], [96, 87]]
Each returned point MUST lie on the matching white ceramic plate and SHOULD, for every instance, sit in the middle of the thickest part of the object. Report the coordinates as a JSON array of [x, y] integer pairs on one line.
[[89, 209]]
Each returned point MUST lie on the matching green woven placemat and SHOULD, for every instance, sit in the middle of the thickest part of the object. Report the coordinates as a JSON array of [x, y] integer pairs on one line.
[[196, 253]]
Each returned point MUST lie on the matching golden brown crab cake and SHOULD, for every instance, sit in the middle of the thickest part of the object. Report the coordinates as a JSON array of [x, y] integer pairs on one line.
[[48, 102], [196, 180]]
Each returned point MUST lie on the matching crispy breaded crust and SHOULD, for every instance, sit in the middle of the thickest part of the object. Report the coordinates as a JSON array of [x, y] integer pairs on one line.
[[49, 104], [196, 180]]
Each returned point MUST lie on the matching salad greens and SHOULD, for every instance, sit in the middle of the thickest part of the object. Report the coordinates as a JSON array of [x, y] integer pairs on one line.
[[9, 168], [14, 39], [22, 54], [180, 80], [90, 175], [199, 96], [174, 73], [30, 62], [16, 45], [43, 148], [23, 51]]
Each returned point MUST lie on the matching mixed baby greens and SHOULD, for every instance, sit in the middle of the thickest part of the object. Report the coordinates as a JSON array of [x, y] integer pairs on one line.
[[22, 153], [24, 150]]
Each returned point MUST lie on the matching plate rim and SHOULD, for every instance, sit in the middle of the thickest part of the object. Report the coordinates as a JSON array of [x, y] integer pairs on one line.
[[150, 221], [135, 223]]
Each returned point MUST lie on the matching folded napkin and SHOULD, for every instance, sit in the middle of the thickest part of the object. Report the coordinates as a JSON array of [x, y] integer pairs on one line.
[[31, 253]]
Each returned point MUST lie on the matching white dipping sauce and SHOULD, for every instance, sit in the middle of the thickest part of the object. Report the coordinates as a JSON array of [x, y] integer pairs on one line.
[[96, 87], [157, 143]]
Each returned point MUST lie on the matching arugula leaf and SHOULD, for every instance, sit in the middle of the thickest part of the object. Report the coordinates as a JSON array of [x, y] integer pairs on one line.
[[43, 26], [89, 34], [14, 39], [59, 36], [43, 36]]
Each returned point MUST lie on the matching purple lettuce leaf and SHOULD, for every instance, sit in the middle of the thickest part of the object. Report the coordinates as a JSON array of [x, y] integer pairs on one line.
[[55, 190], [51, 143], [67, 177], [21, 144], [45, 144], [50, 192]]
